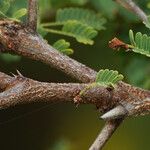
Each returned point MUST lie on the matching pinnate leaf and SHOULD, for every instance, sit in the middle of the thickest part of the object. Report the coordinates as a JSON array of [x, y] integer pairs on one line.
[[63, 46], [140, 43], [108, 77]]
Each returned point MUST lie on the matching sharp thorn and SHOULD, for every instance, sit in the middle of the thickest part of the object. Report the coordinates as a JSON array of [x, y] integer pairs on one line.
[[19, 73], [117, 112], [13, 75]]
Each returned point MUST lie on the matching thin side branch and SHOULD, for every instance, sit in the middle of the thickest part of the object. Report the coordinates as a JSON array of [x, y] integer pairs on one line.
[[32, 14], [131, 6], [105, 134]]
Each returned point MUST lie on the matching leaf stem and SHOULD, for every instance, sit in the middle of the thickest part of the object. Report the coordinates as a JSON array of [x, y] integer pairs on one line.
[[49, 24]]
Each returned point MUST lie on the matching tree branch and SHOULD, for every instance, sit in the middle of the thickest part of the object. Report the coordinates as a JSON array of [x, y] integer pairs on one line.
[[19, 90], [131, 6], [32, 14], [19, 40], [16, 38], [105, 134]]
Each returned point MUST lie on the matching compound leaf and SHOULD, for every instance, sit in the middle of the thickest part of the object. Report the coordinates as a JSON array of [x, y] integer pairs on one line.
[[81, 32], [63, 46], [84, 16], [140, 43], [108, 77]]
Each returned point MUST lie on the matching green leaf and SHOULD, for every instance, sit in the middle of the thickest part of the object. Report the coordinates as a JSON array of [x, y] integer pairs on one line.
[[81, 32], [84, 16], [107, 7], [140, 43], [108, 77], [4, 6], [63, 46], [81, 24], [20, 13], [131, 37]]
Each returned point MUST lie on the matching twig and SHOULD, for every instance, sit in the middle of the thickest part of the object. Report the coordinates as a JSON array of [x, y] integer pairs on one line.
[[105, 134], [32, 14], [131, 6]]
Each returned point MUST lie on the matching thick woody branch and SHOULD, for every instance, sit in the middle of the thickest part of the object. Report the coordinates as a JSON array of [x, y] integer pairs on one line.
[[24, 43], [131, 6], [4, 81], [32, 14], [16, 38], [20, 90]]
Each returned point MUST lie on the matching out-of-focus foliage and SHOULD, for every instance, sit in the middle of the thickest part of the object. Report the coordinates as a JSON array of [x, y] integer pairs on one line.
[[103, 7], [9, 58], [87, 17], [61, 144], [16, 15], [82, 24], [63, 47], [138, 72]]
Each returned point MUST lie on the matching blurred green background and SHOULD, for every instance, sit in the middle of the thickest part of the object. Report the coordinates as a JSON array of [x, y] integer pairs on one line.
[[63, 126]]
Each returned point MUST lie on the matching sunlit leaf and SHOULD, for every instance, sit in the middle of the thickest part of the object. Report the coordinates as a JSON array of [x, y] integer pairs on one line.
[[108, 77], [140, 43]]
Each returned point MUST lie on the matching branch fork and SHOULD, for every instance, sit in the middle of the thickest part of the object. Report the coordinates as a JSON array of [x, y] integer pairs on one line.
[[124, 100]]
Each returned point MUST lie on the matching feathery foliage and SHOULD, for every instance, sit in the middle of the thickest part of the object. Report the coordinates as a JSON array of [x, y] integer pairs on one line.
[[108, 77], [84, 16], [63, 47], [82, 24], [140, 43], [4, 8], [81, 32]]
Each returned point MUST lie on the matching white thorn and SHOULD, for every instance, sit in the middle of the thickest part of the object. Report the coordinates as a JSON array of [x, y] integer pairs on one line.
[[18, 72], [13, 75], [117, 112]]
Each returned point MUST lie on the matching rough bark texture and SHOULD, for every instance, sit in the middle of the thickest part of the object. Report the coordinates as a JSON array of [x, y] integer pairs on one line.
[[23, 40]]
